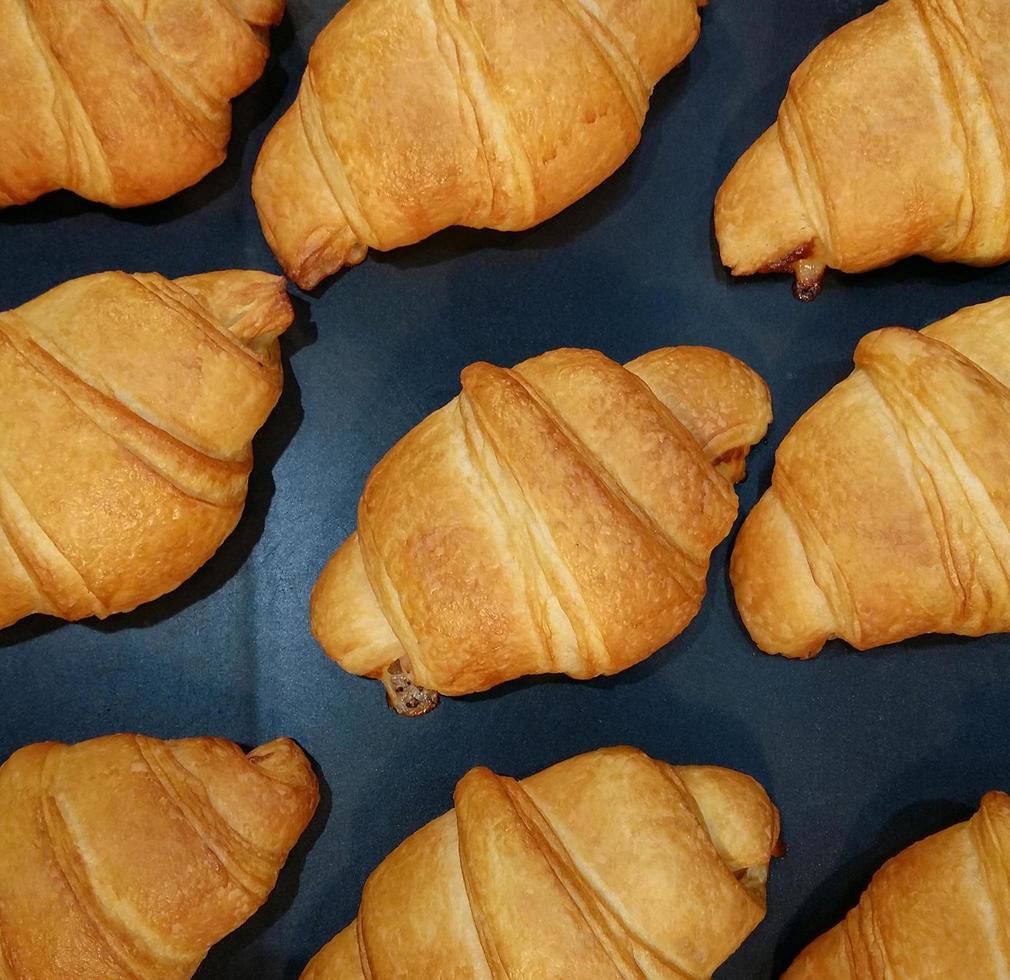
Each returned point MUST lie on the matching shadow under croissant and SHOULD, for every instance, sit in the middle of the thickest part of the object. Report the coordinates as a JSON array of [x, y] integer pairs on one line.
[[268, 445], [235, 955], [250, 109], [568, 225]]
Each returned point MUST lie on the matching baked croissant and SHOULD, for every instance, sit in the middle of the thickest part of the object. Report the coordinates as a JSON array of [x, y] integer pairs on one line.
[[608, 865], [892, 141], [415, 115], [127, 856], [122, 101], [941, 908], [556, 517], [888, 511], [129, 404]]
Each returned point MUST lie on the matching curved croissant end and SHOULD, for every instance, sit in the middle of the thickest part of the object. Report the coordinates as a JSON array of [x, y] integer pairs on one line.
[[887, 515], [939, 908], [159, 387], [389, 142], [607, 865], [122, 102], [127, 856], [892, 141], [558, 517]]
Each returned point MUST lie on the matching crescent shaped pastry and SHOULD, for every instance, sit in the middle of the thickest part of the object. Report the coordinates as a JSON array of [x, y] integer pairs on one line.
[[122, 101], [889, 507], [414, 115], [609, 866], [893, 140], [128, 411], [127, 856], [557, 517]]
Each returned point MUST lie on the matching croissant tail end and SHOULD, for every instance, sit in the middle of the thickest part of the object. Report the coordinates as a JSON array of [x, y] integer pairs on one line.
[[760, 223], [284, 761], [301, 219], [253, 306], [780, 604]]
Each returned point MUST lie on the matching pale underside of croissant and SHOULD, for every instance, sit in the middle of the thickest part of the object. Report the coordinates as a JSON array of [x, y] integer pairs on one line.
[[129, 405], [415, 115], [127, 857], [122, 101], [556, 517], [608, 865], [941, 908], [889, 507], [893, 140]]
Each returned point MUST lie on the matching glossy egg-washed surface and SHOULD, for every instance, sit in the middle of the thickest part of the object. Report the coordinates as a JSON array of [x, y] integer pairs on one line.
[[863, 753]]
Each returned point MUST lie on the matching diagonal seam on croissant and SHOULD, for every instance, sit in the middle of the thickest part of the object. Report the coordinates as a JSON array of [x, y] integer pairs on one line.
[[186, 793], [74, 122], [121, 943], [188, 468], [986, 154], [53, 575], [628, 74], [568, 614], [931, 444], [194, 104], [500, 148]]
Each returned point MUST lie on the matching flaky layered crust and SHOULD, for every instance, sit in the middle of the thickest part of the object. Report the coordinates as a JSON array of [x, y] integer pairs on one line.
[[129, 405], [127, 856], [889, 506], [415, 115], [893, 140], [122, 101], [556, 517], [608, 865], [938, 909]]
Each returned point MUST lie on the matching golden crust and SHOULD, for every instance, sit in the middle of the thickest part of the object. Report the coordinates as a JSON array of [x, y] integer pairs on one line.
[[127, 856], [893, 140], [557, 517], [937, 909], [415, 115], [887, 515], [130, 403], [122, 101], [610, 864]]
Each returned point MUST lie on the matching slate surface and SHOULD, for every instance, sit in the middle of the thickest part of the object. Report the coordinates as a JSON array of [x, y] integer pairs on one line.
[[864, 753]]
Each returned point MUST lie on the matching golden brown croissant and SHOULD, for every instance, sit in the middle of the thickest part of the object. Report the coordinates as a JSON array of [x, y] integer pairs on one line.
[[122, 101], [127, 856], [888, 511], [415, 115], [608, 865], [892, 141], [129, 404], [556, 517], [938, 909]]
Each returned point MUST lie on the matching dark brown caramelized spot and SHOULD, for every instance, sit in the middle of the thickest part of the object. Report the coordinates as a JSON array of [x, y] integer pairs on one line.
[[788, 262], [404, 696]]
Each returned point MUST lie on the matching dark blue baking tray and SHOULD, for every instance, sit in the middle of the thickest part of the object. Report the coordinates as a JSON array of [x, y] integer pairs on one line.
[[863, 753]]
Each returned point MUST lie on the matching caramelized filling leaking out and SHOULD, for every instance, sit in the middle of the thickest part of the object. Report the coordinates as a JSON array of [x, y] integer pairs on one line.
[[404, 696], [805, 266]]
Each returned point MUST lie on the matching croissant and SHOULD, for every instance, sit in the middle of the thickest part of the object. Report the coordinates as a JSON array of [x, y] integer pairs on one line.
[[127, 856], [556, 517], [608, 865], [892, 141], [888, 511], [414, 115], [122, 101], [129, 404], [938, 909]]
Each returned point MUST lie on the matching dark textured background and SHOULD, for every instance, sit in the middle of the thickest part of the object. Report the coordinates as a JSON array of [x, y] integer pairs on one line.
[[864, 753]]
